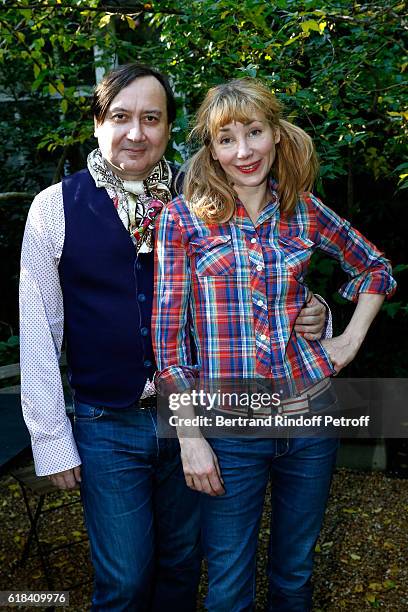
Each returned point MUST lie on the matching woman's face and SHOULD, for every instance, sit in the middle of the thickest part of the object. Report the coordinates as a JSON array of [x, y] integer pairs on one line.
[[246, 151]]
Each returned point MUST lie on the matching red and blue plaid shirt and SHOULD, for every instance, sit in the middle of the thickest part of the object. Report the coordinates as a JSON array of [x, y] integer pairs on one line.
[[238, 288]]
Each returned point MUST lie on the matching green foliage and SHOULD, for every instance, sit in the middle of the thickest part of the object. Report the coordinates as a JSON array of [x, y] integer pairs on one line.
[[339, 67], [9, 351]]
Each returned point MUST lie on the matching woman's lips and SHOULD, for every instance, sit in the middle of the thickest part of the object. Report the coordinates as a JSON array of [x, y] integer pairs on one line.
[[249, 168]]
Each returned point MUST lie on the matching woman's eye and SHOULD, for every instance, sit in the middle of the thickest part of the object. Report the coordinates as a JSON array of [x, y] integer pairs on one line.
[[225, 140], [255, 132]]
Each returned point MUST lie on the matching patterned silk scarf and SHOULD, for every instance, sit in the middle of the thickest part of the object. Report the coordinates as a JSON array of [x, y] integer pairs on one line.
[[138, 202]]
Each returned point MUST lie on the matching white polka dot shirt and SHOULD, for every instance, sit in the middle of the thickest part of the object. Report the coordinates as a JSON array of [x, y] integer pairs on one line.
[[41, 332]]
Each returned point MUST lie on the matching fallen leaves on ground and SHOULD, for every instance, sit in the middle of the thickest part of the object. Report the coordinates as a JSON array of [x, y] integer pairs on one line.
[[361, 555]]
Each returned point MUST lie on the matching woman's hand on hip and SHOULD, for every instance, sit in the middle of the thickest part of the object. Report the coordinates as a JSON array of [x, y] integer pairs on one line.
[[200, 465], [341, 349]]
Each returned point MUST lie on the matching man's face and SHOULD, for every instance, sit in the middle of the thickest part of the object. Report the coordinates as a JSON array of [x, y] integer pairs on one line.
[[135, 131]]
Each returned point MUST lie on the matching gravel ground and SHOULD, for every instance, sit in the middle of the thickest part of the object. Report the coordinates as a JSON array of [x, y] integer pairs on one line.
[[361, 557]]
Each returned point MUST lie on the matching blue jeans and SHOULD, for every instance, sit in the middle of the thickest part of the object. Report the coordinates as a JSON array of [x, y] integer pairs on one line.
[[142, 520], [300, 470]]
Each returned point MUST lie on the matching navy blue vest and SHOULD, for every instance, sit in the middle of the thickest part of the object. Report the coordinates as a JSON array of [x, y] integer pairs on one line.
[[107, 294]]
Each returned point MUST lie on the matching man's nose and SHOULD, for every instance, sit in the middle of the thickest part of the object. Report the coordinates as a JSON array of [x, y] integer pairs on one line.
[[135, 132], [244, 150]]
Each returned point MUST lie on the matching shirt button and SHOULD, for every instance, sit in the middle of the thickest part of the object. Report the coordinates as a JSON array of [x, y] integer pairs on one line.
[[259, 303], [147, 363], [259, 268], [253, 240], [144, 331], [263, 337], [141, 297]]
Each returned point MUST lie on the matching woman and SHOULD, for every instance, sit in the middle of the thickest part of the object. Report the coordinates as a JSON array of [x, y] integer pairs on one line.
[[232, 253]]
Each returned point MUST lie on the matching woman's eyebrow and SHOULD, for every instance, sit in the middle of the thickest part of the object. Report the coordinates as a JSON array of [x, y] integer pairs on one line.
[[227, 129]]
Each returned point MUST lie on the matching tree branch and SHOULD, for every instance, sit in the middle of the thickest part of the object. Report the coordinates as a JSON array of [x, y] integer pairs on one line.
[[60, 166], [16, 195], [102, 8]]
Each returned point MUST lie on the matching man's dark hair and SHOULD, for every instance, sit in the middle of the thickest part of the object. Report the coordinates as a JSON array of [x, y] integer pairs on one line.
[[119, 78]]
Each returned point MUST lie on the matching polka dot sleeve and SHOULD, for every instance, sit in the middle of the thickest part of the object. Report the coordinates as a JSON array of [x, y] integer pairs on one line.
[[41, 331]]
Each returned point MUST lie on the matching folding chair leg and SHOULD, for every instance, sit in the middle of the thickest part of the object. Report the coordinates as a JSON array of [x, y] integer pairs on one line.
[[33, 533], [33, 523]]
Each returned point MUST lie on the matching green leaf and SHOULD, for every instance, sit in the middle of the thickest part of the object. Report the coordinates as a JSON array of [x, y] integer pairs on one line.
[[392, 308], [399, 268], [310, 25], [105, 20], [131, 22]]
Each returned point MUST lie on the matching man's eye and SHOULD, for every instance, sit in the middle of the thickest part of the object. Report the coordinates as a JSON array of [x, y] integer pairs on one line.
[[151, 118], [118, 117]]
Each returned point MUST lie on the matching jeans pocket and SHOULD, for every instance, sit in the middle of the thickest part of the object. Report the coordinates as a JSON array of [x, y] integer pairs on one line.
[[327, 402], [87, 412]]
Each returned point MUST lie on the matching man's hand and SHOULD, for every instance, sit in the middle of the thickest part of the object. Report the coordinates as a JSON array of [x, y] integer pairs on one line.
[[68, 479], [200, 465], [342, 350], [311, 319]]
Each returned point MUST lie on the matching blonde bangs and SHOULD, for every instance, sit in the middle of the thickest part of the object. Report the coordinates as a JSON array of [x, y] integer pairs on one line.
[[225, 111]]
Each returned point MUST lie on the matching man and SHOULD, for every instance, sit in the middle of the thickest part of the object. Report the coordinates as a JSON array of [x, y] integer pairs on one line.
[[87, 272]]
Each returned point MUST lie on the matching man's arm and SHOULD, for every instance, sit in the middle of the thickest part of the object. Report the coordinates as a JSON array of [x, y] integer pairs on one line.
[[41, 330], [315, 319]]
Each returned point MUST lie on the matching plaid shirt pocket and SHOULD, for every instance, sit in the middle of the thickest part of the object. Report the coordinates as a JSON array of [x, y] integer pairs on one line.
[[213, 256], [297, 253]]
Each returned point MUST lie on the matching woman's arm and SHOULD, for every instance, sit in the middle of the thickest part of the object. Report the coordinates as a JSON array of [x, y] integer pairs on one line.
[[342, 349], [368, 270], [171, 320], [370, 279], [170, 316]]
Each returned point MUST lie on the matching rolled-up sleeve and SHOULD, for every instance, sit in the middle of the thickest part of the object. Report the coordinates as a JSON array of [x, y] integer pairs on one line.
[[171, 317], [368, 269]]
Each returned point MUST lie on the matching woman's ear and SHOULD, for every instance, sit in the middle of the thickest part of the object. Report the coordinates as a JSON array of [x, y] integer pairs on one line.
[[277, 134], [213, 155]]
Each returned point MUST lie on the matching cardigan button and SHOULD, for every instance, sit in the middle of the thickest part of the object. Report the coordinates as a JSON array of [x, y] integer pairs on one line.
[[144, 331], [147, 363], [141, 297]]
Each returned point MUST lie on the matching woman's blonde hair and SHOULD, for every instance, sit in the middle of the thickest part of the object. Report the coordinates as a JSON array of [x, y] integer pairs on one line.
[[206, 187]]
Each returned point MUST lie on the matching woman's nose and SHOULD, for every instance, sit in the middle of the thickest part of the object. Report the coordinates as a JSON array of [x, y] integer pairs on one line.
[[244, 150]]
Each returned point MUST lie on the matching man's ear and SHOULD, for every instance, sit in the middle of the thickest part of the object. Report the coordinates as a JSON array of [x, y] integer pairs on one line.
[[277, 134]]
